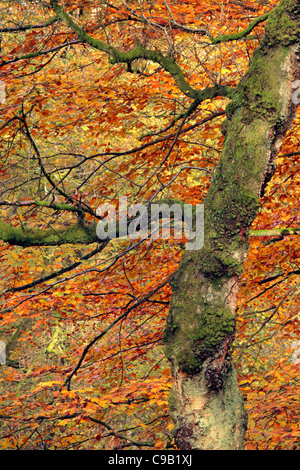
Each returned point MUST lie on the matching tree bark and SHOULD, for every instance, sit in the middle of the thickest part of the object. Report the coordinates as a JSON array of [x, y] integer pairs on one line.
[[205, 402]]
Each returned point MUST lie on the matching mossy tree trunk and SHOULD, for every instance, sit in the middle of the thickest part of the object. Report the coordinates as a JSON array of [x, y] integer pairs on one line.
[[205, 401]]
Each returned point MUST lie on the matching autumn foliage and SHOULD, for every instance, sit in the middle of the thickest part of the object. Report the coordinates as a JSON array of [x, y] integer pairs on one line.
[[83, 322]]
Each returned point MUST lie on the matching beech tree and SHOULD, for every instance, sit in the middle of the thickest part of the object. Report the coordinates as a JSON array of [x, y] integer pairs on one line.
[[169, 102]]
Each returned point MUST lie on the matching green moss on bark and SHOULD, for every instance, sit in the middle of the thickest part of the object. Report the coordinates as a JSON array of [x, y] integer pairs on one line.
[[198, 322], [258, 94], [283, 24], [199, 339], [23, 236]]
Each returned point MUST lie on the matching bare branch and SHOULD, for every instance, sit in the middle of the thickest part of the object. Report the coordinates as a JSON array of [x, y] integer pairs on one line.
[[112, 324]]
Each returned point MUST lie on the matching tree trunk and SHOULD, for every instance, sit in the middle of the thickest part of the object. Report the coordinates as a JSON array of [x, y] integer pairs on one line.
[[205, 402]]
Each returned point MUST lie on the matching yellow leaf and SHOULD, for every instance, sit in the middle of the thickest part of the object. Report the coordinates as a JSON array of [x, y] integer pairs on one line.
[[251, 423]]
